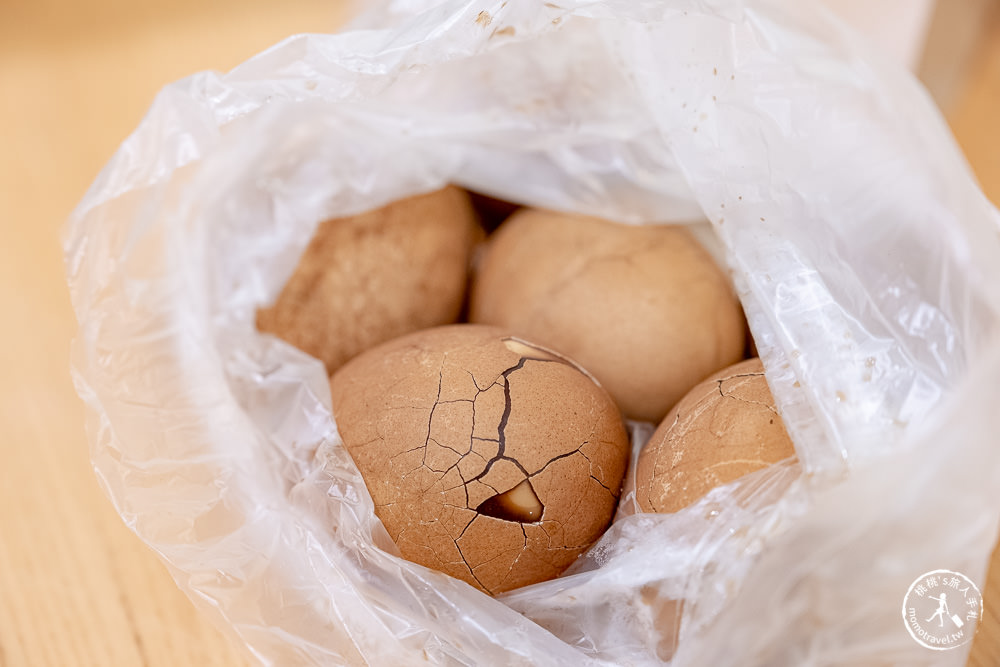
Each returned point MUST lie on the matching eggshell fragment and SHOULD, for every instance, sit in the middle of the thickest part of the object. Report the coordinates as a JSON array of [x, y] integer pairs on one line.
[[488, 458], [642, 307], [368, 278], [724, 428]]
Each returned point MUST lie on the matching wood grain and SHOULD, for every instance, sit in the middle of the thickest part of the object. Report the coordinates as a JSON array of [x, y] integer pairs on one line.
[[76, 587], [975, 120]]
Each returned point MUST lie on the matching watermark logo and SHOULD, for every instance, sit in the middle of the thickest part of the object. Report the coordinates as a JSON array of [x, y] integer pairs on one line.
[[942, 609]]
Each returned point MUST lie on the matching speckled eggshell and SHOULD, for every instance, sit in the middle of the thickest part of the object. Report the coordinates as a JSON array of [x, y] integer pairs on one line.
[[642, 307], [724, 428], [444, 421], [368, 278]]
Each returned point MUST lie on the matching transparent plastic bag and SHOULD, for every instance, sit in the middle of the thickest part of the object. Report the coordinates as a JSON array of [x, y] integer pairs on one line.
[[866, 258]]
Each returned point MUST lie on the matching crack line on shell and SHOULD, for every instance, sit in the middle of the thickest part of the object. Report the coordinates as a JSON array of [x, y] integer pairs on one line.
[[430, 417], [556, 458], [430, 420], [592, 476], [737, 398], [501, 435], [524, 550]]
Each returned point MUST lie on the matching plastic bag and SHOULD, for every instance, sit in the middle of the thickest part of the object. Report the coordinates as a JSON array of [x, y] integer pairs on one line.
[[866, 258]]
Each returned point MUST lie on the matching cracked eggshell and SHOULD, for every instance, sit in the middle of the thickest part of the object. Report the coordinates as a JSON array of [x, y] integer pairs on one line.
[[488, 458], [371, 277], [724, 428], [643, 307]]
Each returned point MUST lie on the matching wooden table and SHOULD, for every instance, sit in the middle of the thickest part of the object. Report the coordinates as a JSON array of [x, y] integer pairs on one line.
[[76, 588]]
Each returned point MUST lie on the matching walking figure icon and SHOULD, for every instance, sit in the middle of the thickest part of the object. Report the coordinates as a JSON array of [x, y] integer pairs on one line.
[[942, 610]]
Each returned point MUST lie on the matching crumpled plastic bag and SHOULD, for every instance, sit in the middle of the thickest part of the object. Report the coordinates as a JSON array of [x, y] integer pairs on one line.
[[866, 258]]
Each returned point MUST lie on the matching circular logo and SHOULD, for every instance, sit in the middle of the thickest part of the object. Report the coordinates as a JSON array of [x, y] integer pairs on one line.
[[942, 609]]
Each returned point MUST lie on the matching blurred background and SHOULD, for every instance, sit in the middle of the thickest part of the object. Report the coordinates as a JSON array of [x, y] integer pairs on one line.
[[76, 588]]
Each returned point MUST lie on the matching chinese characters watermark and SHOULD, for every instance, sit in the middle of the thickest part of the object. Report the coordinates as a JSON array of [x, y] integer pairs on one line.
[[942, 609]]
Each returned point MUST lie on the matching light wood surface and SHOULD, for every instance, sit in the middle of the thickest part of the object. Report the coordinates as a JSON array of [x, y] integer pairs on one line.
[[975, 120], [76, 587]]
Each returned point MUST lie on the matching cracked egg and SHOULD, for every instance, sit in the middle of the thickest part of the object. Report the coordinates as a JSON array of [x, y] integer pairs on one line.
[[488, 458], [724, 428], [644, 308]]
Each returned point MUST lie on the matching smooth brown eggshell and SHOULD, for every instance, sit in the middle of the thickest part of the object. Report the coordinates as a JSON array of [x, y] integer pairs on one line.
[[642, 307], [368, 278], [724, 428], [441, 422]]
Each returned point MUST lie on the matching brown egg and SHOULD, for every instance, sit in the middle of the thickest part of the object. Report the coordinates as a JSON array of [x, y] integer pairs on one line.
[[371, 277], [488, 458], [644, 308], [725, 427]]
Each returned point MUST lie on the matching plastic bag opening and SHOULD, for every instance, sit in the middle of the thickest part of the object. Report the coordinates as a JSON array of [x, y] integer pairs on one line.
[[864, 255]]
